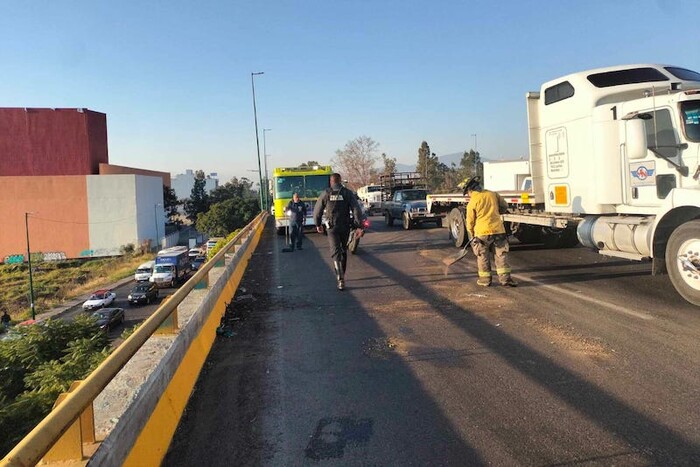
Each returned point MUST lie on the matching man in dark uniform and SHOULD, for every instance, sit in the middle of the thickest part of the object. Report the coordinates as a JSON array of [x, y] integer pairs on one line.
[[338, 202], [296, 211]]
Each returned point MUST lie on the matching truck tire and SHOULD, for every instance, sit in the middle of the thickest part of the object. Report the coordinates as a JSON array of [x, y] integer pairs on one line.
[[388, 220], [683, 261], [280, 231], [458, 231], [407, 224]]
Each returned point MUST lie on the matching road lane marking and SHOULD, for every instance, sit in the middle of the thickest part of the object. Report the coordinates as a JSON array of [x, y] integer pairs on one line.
[[595, 301]]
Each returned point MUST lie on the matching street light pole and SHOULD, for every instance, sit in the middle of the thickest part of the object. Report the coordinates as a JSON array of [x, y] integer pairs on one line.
[[257, 139], [267, 180], [29, 261], [155, 217]]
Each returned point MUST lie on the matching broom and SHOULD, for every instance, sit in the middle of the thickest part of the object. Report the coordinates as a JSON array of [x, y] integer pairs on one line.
[[449, 261]]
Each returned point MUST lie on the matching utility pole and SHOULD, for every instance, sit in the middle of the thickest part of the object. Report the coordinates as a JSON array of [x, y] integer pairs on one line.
[[155, 217], [29, 261], [257, 139], [267, 180]]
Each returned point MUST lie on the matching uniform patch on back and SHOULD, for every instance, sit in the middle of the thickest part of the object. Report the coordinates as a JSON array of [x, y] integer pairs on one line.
[[336, 198]]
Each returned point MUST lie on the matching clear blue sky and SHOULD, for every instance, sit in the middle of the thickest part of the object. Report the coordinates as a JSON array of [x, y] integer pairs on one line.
[[173, 76]]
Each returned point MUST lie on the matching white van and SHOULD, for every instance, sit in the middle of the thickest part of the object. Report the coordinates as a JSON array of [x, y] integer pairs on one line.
[[143, 272], [211, 243]]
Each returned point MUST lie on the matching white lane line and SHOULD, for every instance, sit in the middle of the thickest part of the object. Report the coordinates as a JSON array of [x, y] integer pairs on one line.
[[595, 301], [580, 296]]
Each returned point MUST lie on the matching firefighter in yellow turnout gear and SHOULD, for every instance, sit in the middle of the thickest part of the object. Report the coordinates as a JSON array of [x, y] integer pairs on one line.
[[486, 228]]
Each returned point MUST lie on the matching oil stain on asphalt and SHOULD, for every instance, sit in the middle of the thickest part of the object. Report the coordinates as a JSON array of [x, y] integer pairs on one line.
[[333, 434]]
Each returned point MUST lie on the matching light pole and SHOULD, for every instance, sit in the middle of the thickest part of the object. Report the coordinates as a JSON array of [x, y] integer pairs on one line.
[[257, 139], [29, 261], [476, 167], [267, 181], [155, 217]]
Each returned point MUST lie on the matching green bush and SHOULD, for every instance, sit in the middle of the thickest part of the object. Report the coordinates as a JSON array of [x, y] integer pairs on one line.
[[40, 362], [222, 243]]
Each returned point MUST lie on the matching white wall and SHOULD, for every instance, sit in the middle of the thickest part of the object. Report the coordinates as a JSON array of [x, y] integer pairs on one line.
[[149, 207], [121, 211]]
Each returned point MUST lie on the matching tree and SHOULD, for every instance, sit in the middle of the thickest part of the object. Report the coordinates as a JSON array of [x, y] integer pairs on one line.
[[39, 365], [170, 204], [389, 164], [470, 161], [355, 162], [227, 216], [199, 199], [235, 188], [427, 166]]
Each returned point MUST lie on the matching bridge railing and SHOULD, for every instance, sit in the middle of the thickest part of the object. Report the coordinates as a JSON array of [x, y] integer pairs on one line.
[[170, 389]]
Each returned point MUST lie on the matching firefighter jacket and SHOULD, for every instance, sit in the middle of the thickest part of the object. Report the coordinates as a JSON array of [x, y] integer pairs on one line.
[[337, 202], [484, 213]]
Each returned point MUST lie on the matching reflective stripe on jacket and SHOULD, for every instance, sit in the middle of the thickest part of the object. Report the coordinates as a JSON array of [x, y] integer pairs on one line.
[[483, 213]]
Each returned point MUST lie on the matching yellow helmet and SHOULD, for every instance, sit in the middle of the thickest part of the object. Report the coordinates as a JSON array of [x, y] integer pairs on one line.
[[470, 183]]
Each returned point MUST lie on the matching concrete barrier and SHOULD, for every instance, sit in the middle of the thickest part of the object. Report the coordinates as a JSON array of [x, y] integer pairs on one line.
[[144, 432]]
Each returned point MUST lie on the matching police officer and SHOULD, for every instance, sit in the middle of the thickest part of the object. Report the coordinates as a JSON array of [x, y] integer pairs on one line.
[[486, 228], [337, 202], [296, 211]]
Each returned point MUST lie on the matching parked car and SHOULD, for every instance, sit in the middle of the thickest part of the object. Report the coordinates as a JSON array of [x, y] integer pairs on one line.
[[197, 262], [143, 293], [99, 299], [107, 318]]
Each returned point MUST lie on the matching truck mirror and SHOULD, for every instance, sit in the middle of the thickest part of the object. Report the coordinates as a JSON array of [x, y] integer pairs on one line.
[[636, 142]]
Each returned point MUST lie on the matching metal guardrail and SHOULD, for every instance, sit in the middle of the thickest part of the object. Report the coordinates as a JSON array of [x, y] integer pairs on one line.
[[37, 443]]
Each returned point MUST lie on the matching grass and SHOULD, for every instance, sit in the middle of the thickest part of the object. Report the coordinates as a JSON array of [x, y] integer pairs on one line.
[[57, 282]]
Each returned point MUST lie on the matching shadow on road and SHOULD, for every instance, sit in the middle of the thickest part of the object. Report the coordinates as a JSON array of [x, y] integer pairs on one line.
[[659, 444]]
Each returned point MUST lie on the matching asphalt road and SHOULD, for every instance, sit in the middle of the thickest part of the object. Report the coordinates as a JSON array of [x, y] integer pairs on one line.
[[589, 361], [132, 314]]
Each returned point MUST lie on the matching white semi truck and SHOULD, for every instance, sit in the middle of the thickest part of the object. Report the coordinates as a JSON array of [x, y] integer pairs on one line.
[[615, 163]]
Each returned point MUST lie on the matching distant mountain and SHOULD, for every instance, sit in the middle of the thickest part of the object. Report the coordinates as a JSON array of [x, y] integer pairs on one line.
[[448, 159]]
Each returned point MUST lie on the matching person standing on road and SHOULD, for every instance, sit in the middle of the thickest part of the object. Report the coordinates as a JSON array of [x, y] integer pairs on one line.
[[487, 232], [296, 211], [338, 203]]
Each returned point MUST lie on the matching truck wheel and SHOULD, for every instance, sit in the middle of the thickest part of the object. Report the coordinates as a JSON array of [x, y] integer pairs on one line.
[[683, 260], [280, 231], [457, 229], [406, 221], [388, 220]]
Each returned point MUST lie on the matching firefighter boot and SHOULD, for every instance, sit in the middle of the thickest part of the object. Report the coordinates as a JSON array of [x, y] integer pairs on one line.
[[339, 274]]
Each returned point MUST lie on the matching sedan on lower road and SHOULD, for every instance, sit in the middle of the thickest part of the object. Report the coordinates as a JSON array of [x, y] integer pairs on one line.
[[107, 318], [99, 299], [143, 293]]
